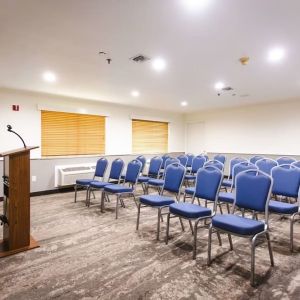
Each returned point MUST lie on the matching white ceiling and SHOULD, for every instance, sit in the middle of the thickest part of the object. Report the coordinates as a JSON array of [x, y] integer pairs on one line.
[[201, 47]]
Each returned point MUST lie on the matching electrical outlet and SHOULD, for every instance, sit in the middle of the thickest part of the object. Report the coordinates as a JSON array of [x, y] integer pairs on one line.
[[33, 178]]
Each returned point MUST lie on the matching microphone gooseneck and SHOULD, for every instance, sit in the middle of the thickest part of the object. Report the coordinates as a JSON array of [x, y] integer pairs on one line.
[[9, 129]]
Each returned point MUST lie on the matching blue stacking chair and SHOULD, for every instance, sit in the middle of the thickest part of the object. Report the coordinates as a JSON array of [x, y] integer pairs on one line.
[[228, 197], [183, 159], [253, 191], [159, 182], [286, 184], [153, 172], [198, 162], [214, 163], [174, 177], [296, 164], [126, 189], [227, 183], [142, 159], [266, 165], [255, 158], [100, 170], [190, 157], [221, 158], [114, 177], [207, 187], [285, 160]]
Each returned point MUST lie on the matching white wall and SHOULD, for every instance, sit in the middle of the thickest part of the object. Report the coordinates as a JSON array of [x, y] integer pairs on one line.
[[272, 128], [27, 121]]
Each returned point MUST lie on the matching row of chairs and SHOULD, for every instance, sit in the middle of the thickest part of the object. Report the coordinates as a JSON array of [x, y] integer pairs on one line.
[[252, 191]]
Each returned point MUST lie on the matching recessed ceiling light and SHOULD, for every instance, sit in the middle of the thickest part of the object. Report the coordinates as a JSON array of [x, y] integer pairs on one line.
[[193, 5], [135, 93], [276, 54], [183, 103], [219, 85], [49, 76], [159, 64]]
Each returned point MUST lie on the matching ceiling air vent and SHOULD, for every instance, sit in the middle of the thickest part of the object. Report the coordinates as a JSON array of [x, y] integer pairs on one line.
[[139, 58], [227, 88]]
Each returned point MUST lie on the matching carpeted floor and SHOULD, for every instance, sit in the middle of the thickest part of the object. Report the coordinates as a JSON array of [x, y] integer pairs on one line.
[[88, 255]]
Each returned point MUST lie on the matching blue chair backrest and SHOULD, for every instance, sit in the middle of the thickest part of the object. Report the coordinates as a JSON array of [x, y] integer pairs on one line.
[[266, 165], [198, 162], [233, 162], [214, 163], [285, 160], [190, 159], [208, 183], [116, 169], [133, 171], [171, 160], [183, 159], [155, 165], [142, 159], [240, 167], [296, 164], [164, 158], [101, 166], [253, 190], [221, 158], [286, 180], [174, 177], [255, 158]]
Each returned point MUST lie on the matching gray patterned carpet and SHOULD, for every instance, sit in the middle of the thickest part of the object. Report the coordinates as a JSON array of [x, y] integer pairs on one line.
[[88, 255]]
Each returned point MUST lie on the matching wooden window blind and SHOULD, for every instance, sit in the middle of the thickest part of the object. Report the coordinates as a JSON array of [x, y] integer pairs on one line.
[[72, 134], [149, 136]]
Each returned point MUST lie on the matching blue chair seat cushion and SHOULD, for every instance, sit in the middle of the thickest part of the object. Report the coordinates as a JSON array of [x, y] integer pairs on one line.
[[226, 197], [143, 179], [99, 184], [237, 224], [118, 188], [190, 177], [282, 207], [156, 200], [190, 190], [84, 181], [156, 182], [227, 182], [189, 210]]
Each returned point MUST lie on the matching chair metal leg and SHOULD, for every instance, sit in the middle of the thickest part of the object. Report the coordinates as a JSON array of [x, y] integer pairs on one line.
[[195, 239], [209, 245], [103, 195], [228, 209], [221, 210], [230, 241], [94, 197], [75, 198], [219, 238], [181, 223], [253, 244], [292, 232], [191, 226], [270, 249], [158, 223], [167, 230], [117, 205], [138, 216], [88, 197], [184, 196]]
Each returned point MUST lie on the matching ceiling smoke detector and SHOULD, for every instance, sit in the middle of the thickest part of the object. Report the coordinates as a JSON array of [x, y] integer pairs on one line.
[[139, 58]]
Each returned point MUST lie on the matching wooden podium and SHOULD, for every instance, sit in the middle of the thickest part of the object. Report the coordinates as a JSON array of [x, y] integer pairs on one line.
[[16, 204]]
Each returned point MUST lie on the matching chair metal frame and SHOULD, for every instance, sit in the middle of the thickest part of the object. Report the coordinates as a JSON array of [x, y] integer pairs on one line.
[[92, 189], [296, 164], [87, 186], [120, 195], [160, 208], [214, 162], [197, 220], [291, 216], [253, 238]]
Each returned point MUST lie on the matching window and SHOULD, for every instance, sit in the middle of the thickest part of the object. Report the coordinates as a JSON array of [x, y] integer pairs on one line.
[[72, 134], [149, 136]]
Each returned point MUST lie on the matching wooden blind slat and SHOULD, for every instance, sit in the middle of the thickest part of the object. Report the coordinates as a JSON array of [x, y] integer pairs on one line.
[[72, 134], [149, 136]]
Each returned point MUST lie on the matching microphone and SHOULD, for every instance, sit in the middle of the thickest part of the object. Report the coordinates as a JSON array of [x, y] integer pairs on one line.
[[9, 129]]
